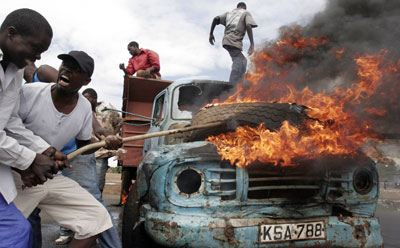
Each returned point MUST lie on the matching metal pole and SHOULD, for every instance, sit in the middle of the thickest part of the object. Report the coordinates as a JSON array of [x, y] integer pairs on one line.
[[140, 137], [142, 116]]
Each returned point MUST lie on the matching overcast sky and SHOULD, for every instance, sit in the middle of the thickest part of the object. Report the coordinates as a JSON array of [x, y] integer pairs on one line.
[[177, 30]]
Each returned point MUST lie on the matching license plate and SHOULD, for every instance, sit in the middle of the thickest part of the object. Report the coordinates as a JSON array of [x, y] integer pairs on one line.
[[292, 231]]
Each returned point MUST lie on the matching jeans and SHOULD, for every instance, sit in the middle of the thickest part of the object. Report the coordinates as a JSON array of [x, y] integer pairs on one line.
[[15, 230], [239, 64], [101, 168], [83, 171], [34, 219]]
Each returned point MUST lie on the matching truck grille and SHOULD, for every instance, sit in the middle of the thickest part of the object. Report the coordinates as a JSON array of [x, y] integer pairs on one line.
[[267, 186], [222, 182], [284, 183], [266, 182]]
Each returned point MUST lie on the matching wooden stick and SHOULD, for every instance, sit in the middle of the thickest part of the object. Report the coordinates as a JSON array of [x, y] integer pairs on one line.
[[140, 137]]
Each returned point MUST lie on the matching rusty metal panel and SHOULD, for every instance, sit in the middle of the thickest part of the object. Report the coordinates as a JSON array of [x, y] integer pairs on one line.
[[133, 156], [137, 98], [176, 229], [141, 91], [134, 148]]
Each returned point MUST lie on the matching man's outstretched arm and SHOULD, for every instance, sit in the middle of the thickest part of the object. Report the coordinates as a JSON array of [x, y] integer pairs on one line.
[[214, 23]]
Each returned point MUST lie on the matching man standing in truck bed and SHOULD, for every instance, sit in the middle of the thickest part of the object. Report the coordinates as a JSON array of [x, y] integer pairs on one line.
[[236, 23], [144, 62]]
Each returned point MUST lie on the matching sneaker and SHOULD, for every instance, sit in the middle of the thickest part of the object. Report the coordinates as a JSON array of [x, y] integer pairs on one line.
[[63, 240]]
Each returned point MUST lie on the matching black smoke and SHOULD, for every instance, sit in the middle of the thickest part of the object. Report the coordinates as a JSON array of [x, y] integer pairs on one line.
[[355, 27]]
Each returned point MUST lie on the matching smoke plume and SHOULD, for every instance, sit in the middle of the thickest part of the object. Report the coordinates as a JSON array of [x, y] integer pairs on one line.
[[323, 56]]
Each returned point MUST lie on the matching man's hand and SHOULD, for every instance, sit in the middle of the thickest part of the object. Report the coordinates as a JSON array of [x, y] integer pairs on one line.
[[113, 142], [211, 39], [147, 72], [29, 178], [251, 50], [61, 161], [122, 67], [49, 152], [42, 167]]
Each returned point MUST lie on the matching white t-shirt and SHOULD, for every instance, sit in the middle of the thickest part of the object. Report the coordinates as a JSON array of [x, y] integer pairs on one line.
[[39, 115]]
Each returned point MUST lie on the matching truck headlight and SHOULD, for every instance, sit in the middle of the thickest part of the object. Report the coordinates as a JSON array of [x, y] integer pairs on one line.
[[188, 181], [363, 181]]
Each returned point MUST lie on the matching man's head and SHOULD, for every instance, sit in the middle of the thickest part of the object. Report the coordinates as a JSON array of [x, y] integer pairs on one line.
[[24, 36], [133, 48], [75, 71], [241, 5], [91, 95]]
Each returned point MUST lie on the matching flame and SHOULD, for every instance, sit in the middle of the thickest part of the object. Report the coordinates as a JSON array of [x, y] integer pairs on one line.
[[124, 196], [338, 124], [248, 145], [338, 53]]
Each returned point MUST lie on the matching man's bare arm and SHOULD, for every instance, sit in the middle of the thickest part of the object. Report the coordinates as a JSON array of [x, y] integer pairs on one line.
[[214, 23], [122, 67], [47, 73], [99, 130], [250, 34]]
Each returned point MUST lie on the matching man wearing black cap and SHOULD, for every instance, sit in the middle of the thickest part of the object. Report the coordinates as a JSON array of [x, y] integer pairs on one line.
[[58, 113]]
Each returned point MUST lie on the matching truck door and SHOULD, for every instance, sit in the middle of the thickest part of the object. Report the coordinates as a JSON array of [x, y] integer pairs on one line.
[[158, 118]]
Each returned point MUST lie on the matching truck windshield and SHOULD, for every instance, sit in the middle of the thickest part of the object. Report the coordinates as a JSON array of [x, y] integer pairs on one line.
[[184, 102], [188, 99]]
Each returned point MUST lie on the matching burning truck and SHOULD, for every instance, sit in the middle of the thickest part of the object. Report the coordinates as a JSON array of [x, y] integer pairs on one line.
[[289, 162], [210, 188]]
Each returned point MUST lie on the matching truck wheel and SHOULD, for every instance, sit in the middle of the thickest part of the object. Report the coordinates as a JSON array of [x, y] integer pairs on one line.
[[130, 216], [137, 237], [142, 240], [245, 114], [128, 173]]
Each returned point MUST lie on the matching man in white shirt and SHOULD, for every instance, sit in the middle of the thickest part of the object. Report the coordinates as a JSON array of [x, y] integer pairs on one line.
[[237, 22], [24, 35], [57, 112]]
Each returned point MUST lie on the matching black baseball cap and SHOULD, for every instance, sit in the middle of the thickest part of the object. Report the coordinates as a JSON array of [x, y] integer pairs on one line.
[[85, 62]]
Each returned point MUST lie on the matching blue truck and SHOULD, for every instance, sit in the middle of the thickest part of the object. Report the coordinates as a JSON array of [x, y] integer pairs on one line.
[[185, 195]]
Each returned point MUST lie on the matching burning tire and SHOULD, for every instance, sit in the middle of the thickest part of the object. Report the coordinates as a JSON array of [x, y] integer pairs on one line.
[[245, 114]]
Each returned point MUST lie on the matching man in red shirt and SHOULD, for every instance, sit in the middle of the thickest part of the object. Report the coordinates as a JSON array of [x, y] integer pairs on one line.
[[144, 62]]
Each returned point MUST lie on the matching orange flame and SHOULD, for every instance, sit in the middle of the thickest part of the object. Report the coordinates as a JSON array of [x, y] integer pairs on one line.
[[338, 53], [248, 145], [344, 135], [124, 196]]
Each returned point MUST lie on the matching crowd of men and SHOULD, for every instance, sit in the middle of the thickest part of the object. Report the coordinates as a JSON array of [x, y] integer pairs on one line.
[[46, 118]]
